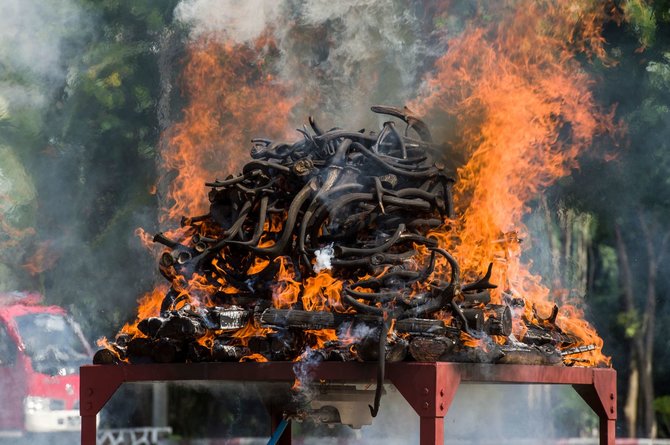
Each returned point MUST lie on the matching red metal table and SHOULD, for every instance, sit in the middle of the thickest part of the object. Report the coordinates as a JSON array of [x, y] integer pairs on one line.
[[428, 387]]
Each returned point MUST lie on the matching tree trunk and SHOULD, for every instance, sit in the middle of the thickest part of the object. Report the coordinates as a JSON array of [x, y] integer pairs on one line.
[[632, 396], [632, 393], [554, 243], [642, 419], [654, 257], [569, 236], [576, 229]]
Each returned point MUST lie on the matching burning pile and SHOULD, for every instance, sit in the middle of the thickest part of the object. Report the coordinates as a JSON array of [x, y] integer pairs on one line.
[[334, 247]]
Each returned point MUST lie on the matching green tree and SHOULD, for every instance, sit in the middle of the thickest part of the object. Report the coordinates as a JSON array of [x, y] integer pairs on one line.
[[630, 197], [95, 170]]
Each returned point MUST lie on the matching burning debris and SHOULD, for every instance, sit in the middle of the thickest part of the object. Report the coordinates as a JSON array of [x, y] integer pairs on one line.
[[332, 248]]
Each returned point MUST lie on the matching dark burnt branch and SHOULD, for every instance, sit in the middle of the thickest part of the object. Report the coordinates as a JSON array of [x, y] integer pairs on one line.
[[333, 232]]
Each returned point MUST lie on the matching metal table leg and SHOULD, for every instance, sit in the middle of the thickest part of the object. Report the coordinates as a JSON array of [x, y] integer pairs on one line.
[[428, 387]]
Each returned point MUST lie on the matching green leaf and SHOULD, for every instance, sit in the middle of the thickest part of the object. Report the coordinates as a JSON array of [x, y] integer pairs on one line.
[[642, 19], [659, 73], [146, 150], [631, 322], [662, 405], [143, 98]]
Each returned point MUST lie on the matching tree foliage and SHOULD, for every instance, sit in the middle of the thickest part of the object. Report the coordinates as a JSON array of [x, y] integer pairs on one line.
[[79, 141], [91, 146], [630, 198]]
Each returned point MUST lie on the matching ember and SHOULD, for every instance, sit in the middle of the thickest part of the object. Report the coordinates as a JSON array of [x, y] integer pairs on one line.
[[334, 247]]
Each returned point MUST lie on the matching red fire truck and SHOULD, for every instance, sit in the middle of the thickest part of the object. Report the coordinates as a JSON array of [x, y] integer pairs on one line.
[[41, 349]]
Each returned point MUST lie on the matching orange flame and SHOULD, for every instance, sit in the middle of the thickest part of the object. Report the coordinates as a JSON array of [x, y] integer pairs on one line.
[[149, 306], [145, 238], [472, 342], [523, 113], [322, 292], [207, 340], [287, 289], [317, 338], [571, 319], [252, 329], [231, 94], [103, 342], [512, 90], [259, 265], [43, 259], [254, 358]]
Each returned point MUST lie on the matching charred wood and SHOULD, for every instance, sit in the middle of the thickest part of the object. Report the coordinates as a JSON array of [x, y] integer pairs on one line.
[[139, 347], [105, 357], [367, 213], [222, 352], [181, 326], [166, 350], [431, 349], [499, 320], [520, 354], [423, 326]]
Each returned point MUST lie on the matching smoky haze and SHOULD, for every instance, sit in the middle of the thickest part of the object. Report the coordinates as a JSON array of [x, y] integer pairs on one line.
[[76, 182], [33, 35], [36, 39], [338, 57], [75, 185], [485, 414]]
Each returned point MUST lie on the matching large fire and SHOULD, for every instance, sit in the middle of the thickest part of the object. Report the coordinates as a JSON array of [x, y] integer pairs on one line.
[[522, 111], [231, 91]]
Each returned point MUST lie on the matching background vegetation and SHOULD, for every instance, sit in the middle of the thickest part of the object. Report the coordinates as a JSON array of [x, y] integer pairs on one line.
[[78, 169]]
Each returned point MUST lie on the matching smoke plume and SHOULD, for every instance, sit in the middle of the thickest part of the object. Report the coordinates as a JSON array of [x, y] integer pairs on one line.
[[339, 57], [33, 35]]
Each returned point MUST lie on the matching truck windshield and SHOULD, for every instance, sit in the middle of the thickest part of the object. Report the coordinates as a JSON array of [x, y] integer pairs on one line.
[[52, 343]]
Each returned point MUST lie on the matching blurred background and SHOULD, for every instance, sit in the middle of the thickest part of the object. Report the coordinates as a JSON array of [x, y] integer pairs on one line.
[[106, 105]]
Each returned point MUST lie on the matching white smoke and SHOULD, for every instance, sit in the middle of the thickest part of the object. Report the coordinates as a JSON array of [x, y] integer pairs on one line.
[[361, 53], [33, 34], [304, 375], [355, 333], [323, 258], [340, 57], [369, 34], [237, 21]]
